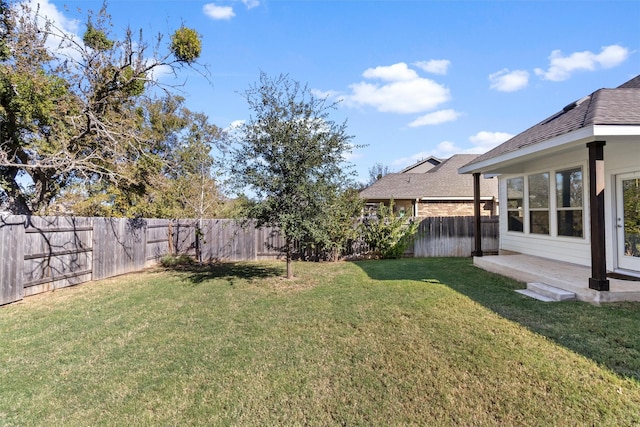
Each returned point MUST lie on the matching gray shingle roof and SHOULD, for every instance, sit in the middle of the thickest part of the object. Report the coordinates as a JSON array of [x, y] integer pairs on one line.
[[442, 181], [422, 165], [619, 106]]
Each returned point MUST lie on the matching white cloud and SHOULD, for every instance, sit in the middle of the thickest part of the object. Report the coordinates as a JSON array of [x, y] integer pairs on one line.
[[509, 81], [251, 3], [63, 27], [236, 124], [218, 12], [391, 73], [484, 141], [562, 67], [481, 143], [435, 118], [159, 72], [50, 12], [321, 94], [435, 66], [404, 91]]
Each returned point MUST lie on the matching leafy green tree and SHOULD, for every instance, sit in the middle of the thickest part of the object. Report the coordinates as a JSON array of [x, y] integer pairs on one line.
[[291, 156], [76, 112], [338, 226]]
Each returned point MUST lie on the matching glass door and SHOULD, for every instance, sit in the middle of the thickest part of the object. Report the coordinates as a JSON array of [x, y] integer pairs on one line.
[[628, 221]]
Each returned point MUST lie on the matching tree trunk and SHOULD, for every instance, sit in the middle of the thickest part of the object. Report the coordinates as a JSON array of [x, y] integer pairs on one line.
[[289, 265], [17, 203]]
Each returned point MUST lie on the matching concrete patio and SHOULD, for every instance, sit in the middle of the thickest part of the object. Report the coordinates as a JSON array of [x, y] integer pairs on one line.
[[569, 277]]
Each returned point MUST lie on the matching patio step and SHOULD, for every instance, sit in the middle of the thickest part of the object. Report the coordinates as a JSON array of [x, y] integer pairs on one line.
[[547, 293]]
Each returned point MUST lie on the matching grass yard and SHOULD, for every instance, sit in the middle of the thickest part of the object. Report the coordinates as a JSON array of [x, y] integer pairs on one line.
[[372, 343]]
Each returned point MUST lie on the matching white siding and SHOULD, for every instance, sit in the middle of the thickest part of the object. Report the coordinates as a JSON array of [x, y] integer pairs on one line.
[[621, 155], [568, 249]]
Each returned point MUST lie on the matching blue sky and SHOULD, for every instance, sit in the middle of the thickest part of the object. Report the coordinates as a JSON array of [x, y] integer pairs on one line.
[[416, 78]]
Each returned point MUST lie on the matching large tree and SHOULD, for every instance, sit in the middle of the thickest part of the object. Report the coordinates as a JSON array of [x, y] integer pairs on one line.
[[72, 110], [290, 155], [183, 177]]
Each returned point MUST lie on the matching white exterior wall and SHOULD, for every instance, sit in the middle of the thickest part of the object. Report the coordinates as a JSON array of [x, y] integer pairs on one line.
[[620, 156]]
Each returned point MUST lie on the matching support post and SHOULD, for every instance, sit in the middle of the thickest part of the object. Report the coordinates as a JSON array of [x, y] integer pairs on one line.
[[598, 279], [477, 230]]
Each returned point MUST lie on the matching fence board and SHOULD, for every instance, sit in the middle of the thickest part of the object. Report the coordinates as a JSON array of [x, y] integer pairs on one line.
[[119, 246], [184, 236], [453, 236], [269, 243], [56, 253], [157, 240], [227, 240], [11, 250]]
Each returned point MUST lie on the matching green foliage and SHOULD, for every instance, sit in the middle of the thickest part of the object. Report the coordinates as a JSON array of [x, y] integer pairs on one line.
[[96, 39], [171, 261], [338, 225], [186, 45], [175, 180], [388, 235], [5, 28], [83, 128], [132, 83], [631, 191], [291, 156]]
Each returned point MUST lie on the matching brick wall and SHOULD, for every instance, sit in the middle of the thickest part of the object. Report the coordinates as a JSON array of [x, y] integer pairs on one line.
[[452, 208]]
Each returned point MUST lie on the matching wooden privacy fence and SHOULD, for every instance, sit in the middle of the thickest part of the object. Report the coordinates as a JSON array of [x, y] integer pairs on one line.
[[44, 253], [38, 254], [454, 237]]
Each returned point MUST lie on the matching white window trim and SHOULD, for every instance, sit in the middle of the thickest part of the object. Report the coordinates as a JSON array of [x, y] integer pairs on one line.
[[553, 203]]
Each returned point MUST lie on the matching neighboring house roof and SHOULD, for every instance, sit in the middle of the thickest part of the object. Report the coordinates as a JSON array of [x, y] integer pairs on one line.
[[440, 182], [423, 165], [619, 106]]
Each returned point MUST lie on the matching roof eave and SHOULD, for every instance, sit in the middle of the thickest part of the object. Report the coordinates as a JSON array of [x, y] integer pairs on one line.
[[579, 136]]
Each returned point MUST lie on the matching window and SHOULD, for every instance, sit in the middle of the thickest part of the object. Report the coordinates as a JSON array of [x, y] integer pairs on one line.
[[569, 202], [515, 196], [539, 203]]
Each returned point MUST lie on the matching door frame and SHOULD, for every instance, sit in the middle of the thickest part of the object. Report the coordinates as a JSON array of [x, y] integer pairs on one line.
[[622, 262]]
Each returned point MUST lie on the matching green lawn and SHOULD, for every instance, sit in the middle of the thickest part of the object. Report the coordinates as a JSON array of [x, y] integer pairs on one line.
[[373, 343]]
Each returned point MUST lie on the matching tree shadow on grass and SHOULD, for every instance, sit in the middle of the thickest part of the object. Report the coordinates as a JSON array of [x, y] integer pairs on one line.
[[196, 273], [607, 334]]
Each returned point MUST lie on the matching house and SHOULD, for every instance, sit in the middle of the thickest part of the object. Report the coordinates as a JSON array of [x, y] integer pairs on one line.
[[433, 187], [570, 187]]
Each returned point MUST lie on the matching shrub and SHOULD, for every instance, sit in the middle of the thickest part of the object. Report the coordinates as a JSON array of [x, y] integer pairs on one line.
[[388, 235], [169, 261]]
